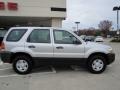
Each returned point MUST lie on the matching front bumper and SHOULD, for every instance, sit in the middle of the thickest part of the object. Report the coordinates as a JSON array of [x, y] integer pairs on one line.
[[6, 56], [111, 58]]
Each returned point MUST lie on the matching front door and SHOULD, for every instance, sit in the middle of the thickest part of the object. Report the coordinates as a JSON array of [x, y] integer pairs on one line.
[[65, 46]]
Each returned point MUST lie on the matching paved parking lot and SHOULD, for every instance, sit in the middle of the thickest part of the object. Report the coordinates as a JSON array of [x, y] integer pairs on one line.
[[62, 78]]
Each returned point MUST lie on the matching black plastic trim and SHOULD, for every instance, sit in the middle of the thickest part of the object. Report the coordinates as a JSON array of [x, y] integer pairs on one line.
[[59, 61], [111, 58], [6, 56]]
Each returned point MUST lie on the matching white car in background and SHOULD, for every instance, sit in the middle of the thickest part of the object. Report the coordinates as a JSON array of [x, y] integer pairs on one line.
[[99, 39]]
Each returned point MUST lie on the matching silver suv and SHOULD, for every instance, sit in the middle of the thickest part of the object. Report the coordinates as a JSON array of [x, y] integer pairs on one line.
[[26, 47]]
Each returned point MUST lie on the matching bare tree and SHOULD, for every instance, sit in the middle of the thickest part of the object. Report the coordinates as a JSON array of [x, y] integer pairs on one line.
[[105, 26], [88, 31], [91, 28]]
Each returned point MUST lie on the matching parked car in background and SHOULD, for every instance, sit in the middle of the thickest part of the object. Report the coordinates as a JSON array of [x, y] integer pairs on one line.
[[1, 39], [89, 38], [25, 47], [2, 34], [99, 39], [83, 37]]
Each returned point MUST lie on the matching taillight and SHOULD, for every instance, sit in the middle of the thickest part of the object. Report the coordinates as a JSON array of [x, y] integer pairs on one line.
[[2, 45]]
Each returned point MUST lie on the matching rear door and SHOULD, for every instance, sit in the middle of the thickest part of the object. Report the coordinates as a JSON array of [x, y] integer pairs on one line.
[[39, 43]]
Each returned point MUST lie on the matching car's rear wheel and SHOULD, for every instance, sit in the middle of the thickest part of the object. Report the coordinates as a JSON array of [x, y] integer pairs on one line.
[[97, 64], [22, 64]]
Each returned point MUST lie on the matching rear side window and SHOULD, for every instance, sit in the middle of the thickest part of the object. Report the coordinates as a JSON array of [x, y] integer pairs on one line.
[[39, 36], [15, 35]]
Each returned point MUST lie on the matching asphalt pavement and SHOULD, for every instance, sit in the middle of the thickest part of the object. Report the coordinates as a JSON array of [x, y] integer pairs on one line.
[[63, 78]]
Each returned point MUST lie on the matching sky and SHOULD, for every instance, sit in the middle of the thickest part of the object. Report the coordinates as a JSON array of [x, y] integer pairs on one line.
[[90, 12]]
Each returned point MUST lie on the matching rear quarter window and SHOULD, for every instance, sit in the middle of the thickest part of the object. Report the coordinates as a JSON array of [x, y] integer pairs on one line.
[[15, 35]]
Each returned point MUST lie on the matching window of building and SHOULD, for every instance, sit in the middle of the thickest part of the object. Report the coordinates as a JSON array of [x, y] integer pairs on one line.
[[58, 9]]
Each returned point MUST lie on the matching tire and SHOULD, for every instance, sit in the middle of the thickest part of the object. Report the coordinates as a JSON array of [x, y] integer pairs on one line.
[[22, 64], [97, 64]]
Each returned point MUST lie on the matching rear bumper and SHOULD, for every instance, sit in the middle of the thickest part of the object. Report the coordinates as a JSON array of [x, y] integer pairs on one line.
[[5, 56], [111, 58]]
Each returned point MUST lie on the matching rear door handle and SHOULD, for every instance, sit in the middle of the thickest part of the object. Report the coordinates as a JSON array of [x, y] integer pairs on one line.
[[60, 47], [31, 46]]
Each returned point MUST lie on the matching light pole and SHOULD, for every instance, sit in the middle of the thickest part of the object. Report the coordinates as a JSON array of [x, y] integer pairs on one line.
[[117, 8], [77, 23]]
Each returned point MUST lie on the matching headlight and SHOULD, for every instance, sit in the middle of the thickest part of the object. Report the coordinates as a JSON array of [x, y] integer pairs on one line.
[[110, 50]]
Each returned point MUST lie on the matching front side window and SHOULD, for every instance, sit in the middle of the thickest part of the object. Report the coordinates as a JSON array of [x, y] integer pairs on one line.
[[63, 37], [39, 36], [16, 35]]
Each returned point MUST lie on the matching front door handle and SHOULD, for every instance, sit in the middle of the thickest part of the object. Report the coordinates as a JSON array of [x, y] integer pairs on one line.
[[31, 46], [60, 47]]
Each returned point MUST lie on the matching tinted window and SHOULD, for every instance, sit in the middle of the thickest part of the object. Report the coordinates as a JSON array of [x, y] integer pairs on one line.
[[16, 35], [39, 36], [63, 37], [2, 33]]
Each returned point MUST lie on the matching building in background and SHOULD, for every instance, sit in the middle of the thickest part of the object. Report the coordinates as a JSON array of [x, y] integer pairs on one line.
[[45, 13]]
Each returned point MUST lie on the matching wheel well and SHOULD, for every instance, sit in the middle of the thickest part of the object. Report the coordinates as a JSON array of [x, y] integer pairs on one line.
[[98, 53], [18, 54]]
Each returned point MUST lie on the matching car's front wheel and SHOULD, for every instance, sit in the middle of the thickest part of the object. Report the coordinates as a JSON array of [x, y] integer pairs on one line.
[[97, 64], [22, 64]]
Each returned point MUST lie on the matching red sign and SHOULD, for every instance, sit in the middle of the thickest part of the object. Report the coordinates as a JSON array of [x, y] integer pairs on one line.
[[2, 5], [12, 6]]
